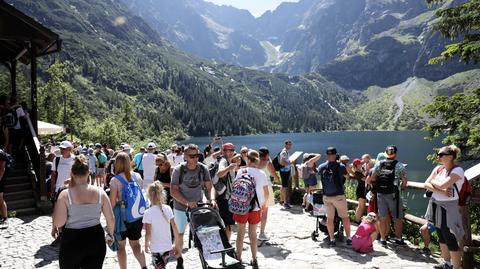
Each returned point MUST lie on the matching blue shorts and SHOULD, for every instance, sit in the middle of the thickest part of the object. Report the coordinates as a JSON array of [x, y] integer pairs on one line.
[[181, 220]]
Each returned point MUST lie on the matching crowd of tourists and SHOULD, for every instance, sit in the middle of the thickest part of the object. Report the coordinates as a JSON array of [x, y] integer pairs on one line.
[[240, 187]]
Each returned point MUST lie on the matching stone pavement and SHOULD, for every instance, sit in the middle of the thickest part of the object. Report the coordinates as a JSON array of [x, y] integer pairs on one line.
[[25, 244]]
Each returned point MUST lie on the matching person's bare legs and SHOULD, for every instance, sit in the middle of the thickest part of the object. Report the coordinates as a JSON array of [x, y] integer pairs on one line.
[[383, 228], [398, 228], [3, 206], [360, 209], [137, 251], [122, 254], [263, 221], [346, 224], [456, 257], [240, 237], [425, 235], [228, 231], [330, 228], [445, 253], [252, 235]]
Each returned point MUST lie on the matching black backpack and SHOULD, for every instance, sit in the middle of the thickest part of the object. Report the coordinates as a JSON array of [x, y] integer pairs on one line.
[[276, 162], [10, 118], [385, 182]]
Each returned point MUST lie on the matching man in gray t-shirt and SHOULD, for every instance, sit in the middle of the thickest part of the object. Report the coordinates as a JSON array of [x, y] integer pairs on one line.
[[188, 179]]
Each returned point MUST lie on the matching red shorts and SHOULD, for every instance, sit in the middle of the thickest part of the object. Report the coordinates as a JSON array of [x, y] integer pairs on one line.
[[252, 217]]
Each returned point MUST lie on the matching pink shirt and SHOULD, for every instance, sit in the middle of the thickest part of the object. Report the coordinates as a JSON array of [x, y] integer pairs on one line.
[[361, 241]]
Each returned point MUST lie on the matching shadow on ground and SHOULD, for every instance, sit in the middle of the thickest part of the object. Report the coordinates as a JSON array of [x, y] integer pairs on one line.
[[47, 254]]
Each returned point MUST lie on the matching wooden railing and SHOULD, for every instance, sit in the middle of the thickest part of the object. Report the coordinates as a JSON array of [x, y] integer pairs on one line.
[[36, 154]]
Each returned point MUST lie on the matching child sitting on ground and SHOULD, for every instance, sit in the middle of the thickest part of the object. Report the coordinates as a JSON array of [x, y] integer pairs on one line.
[[366, 233], [157, 220]]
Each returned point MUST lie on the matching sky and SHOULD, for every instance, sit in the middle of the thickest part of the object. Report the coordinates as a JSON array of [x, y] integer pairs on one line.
[[256, 7]]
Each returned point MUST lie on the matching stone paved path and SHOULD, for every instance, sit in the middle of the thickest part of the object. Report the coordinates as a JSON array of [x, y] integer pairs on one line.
[[25, 244]]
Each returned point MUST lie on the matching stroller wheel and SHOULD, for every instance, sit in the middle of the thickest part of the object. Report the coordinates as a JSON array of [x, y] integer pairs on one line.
[[314, 235]]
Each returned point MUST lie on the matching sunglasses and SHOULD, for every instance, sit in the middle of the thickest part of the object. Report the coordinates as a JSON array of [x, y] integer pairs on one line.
[[160, 163], [192, 156], [440, 155], [229, 149]]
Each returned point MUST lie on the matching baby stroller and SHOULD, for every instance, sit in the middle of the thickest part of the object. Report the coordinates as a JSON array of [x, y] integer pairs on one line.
[[209, 237], [319, 212]]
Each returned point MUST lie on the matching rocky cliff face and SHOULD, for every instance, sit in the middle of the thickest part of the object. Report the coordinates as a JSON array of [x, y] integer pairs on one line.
[[356, 43]]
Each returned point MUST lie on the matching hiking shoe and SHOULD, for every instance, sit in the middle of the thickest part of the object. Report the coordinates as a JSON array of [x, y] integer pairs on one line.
[[400, 242], [286, 206], [179, 263], [332, 243], [383, 242], [3, 223], [263, 237], [426, 251], [254, 264], [349, 242], [443, 266]]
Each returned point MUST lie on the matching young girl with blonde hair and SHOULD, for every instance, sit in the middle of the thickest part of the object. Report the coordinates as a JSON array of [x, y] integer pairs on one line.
[[157, 221]]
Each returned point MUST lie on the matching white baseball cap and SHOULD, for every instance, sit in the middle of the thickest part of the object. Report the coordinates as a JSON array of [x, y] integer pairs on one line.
[[65, 144], [151, 145], [126, 148], [344, 158]]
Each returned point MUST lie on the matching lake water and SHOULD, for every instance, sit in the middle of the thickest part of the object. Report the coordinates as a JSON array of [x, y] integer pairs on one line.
[[412, 150]]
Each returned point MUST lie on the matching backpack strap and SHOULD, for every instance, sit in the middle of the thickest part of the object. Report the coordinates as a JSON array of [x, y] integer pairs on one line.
[[141, 159], [57, 161], [182, 173], [69, 197], [99, 195]]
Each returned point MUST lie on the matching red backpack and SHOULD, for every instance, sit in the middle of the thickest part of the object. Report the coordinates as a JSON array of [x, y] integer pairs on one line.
[[465, 193]]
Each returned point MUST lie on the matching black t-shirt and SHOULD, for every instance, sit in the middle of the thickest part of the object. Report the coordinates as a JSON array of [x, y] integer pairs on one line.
[[163, 177]]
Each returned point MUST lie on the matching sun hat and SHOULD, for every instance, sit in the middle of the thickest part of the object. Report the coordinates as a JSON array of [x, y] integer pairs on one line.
[[151, 145]]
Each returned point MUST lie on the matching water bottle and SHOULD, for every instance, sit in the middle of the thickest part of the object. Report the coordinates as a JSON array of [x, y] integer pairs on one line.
[[430, 228], [123, 210]]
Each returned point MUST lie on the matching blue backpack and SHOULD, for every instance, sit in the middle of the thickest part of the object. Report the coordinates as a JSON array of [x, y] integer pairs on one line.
[[133, 202]]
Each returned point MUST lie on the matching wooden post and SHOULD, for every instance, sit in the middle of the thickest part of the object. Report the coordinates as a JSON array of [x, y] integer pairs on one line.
[[467, 259], [42, 174]]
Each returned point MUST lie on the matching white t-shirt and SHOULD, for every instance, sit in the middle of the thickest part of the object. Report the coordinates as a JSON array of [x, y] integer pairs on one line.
[[20, 113], [442, 177], [175, 159], [149, 166], [260, 181], [64, 170], [209, 160], [161, 239]]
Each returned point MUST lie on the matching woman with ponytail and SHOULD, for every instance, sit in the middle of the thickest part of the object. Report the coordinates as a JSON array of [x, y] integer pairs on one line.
[[79, 209], [445, 182]]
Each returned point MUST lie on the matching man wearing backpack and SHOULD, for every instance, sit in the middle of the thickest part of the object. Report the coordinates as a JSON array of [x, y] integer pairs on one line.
[[332, 175], [226, 174], [102, 160], [285, 174], [15, 128], [188, 180], [138, 160], [389, 177]]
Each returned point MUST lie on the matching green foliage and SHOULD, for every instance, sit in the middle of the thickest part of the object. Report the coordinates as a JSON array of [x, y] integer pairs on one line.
[[461, 23], [128, 71], [459, 119]]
